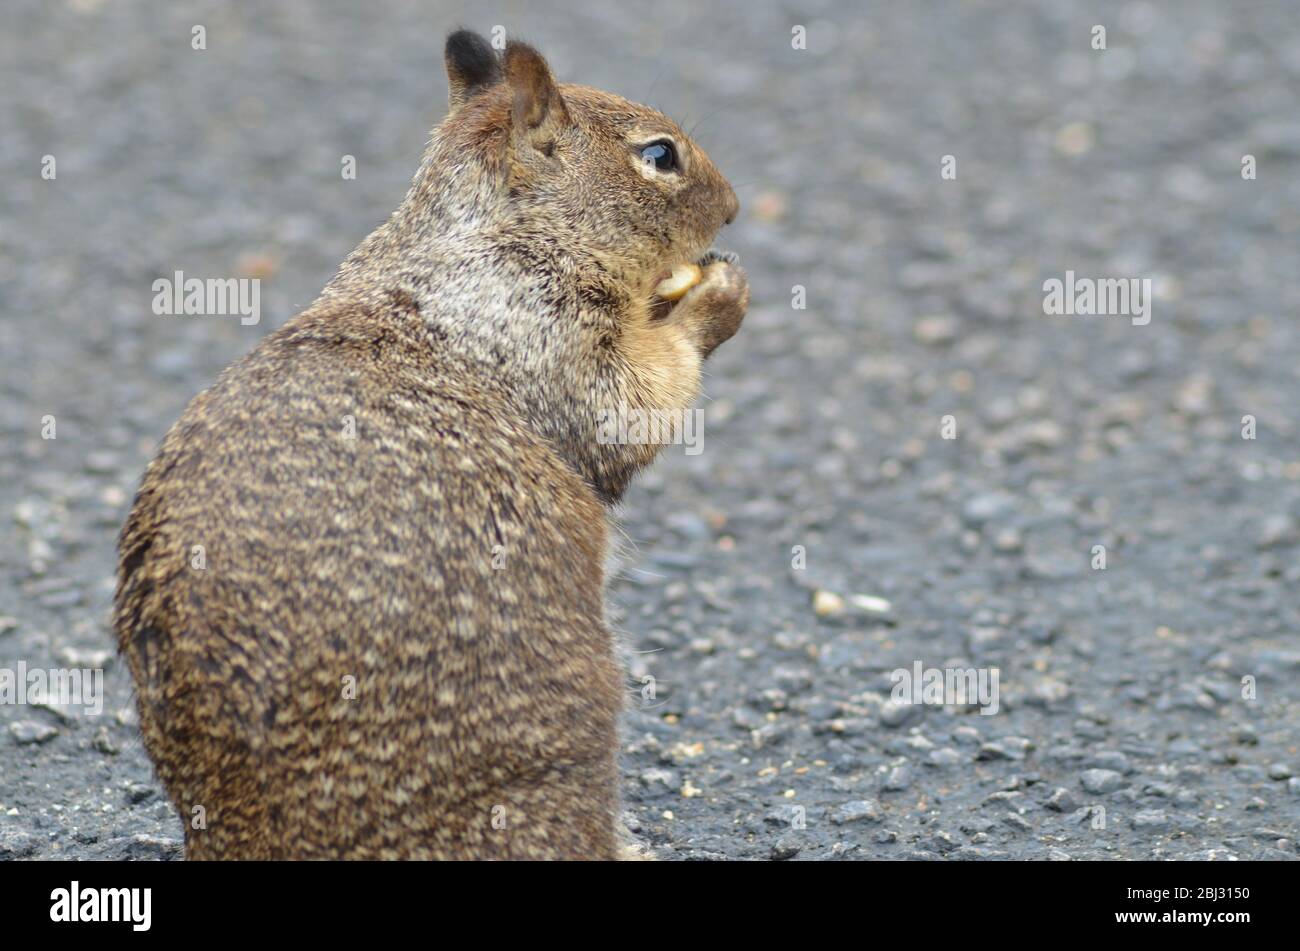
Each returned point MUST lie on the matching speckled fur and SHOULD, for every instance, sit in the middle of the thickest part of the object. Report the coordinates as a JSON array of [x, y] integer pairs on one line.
[[473, 338]]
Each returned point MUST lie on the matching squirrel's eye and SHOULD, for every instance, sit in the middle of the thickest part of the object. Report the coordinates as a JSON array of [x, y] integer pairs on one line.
[[661, 155]]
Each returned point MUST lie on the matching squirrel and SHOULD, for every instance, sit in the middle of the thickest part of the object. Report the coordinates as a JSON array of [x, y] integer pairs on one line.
[[360, 590]]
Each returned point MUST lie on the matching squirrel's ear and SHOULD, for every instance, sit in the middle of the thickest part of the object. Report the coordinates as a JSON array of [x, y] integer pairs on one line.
[[538, 110], [472, 66]]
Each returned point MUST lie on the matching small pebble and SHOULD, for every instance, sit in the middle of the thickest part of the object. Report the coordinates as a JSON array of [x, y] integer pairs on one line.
[[899, 779], [945, 757], [1151, 820], [859, 810], [894, 714], [27, 732], [827, 603], [1101, 781], [1062, 800], [935, 331], [139, 792]]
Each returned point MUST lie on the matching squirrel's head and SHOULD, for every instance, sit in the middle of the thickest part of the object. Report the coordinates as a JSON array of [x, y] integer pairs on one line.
[[623, 178], [539, 227]]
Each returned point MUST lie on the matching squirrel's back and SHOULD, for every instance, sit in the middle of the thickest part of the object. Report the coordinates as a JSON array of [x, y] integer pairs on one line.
[[362, 674]]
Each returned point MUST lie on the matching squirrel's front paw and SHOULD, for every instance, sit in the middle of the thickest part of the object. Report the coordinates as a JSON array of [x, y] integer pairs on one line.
[[713, 309]]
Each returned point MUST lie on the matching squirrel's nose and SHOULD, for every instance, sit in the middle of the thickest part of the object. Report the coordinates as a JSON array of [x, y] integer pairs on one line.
[[733, 208]]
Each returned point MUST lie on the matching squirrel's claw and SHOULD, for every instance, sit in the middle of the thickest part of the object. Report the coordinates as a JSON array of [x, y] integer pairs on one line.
[[713, 254]]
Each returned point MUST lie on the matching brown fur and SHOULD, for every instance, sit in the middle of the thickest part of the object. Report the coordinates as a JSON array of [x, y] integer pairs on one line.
[[448, 560]]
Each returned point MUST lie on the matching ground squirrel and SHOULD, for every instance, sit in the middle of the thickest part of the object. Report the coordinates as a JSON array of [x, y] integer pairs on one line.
[[361, 587]]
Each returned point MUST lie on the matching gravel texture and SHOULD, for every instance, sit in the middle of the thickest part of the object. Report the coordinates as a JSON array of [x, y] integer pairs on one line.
[[1121, 731]]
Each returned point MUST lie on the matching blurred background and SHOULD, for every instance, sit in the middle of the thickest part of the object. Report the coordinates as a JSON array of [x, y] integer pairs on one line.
[[1121, 687]]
